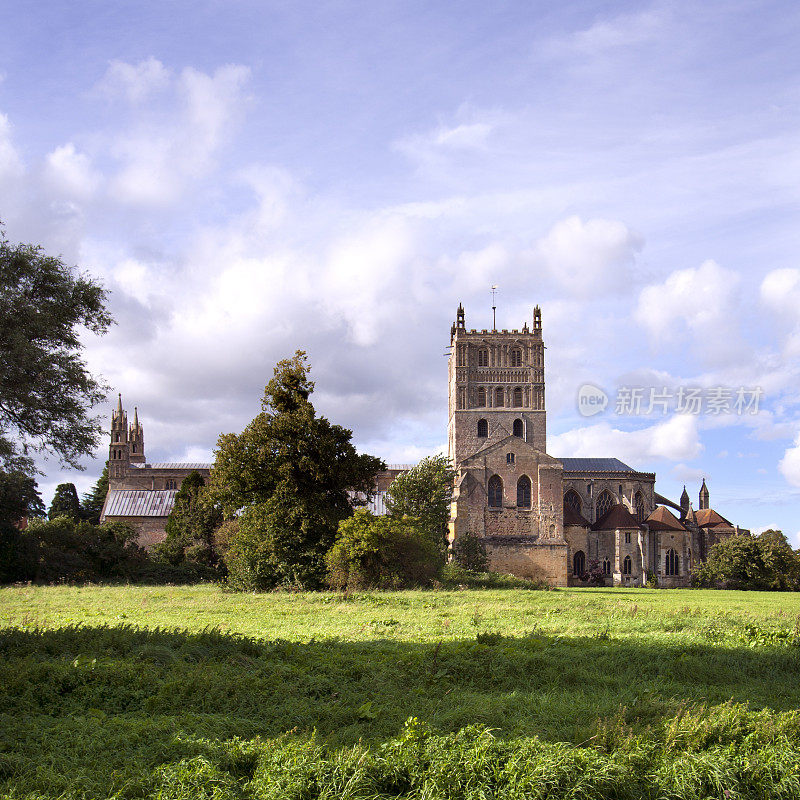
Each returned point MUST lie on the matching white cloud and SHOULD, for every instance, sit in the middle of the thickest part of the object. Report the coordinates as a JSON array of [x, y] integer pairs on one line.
[[466, 136], [166, 152], [624, 30], [789, 465], [10, 162], [675, 439], [701, 302], [134, 82], [70, 173], [588, 258]]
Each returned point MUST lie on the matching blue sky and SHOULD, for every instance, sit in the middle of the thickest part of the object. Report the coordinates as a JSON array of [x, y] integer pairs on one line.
[[252, 178]]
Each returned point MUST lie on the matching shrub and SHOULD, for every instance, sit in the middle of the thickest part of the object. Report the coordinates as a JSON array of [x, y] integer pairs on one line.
[[381, 553], [469, 552]]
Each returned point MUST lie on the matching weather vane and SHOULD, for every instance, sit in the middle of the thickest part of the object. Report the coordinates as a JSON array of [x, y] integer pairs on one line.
[[494, 308]]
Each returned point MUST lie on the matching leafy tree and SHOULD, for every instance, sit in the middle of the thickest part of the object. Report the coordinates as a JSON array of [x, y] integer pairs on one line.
[[751, 562], [65, 502], [381, 553], [46, 391], [191, 526], [424, 492], [289, 476], [19, 497], [93, 501]]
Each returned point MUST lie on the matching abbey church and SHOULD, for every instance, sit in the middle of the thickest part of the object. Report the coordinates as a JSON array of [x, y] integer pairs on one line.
[[556, 520]]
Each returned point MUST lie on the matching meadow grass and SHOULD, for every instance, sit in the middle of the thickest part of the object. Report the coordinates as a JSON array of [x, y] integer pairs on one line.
[[196, 692]]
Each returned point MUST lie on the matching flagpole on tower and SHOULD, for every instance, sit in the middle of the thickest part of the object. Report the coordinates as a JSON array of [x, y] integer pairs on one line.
[[494, 309]]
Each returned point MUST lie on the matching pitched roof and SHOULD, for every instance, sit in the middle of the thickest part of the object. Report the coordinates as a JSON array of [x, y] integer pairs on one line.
[[595, 465], [573, 517], [663, 520], [617, 517], [708, 518], [139, 502]]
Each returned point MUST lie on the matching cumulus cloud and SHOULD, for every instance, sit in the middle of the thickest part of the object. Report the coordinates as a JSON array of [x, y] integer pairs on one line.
[[10, 162], [675, 439], [699, 303], [133, 82], [623, 30], [587, 258], [789, 465], [170, 148], [70, 173]]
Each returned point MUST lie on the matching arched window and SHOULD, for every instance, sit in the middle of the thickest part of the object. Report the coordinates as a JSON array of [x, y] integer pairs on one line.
[[605, 501], [133, 448], [627, 537], [606, 567], [638, 503], [495, 492], [673, 564], [518, 428], [518, 397], [579, 564], [627, 565], [483, 428], [516, 357], [171, 484], [499, 399], [483, 357], [116, 437], [481, 397], [524, 492], [572, 500], [510, 459]]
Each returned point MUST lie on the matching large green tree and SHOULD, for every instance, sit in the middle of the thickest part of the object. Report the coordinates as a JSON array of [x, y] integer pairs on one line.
[[92, 502], [751, 562], [288, 476], [65, 502], [424, 492], [191, 526], [46, 390]]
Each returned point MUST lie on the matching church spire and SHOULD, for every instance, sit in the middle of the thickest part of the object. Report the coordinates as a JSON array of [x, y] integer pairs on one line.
[[136, 418], [704, 497], [119, 404], [686, 503]]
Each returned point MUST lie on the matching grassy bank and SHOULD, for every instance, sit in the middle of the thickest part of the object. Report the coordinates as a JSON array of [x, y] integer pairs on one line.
[[193, 692]]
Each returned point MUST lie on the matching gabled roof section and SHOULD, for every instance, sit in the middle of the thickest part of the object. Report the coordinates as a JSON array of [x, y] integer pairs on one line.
[[573, 517], [139, 502], [617, 517], [504, 444], [664, 520], [708, 518], [597, 465]]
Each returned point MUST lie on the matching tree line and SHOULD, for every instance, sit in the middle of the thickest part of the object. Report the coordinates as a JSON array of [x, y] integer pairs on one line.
[[284, 506]]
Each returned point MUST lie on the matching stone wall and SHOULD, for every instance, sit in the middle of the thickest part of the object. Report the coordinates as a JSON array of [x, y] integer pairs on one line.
[[532, 560]]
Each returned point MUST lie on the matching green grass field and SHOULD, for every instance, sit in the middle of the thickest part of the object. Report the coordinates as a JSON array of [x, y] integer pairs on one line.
[[194, 692]]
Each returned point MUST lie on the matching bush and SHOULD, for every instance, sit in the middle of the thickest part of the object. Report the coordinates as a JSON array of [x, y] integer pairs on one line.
[[469, 552], [381, 553], [765, 562]]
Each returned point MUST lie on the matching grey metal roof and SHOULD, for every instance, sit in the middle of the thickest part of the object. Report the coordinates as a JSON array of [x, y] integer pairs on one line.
[[174, 465], [595, 465], [139, 502]]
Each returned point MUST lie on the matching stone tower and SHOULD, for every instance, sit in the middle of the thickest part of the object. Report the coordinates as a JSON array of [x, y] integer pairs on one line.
[[508, 491], [496, 376], [127, 444]]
